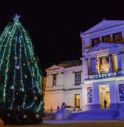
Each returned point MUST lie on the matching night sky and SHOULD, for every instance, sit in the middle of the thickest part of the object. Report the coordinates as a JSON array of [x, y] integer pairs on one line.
[[55, 26]]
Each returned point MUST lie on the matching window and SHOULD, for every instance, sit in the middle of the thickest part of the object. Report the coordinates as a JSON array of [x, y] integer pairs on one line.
[[77, 100], [117, 37], [121, 92], [54, 79], [103, 65], [106, 38], [77, 78], [92, 68], [95, 41], [89, 94], [119, 59], [114, 63]]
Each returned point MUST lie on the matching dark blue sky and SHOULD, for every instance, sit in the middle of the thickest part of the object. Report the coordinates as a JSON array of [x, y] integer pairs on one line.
[[55, 26]]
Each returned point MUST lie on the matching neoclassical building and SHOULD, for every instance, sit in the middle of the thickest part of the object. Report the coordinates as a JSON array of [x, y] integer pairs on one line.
[[63, 84], [103, 66], [97, 82]]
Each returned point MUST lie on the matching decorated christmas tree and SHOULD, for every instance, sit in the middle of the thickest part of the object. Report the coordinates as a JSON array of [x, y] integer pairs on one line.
[[21, 98]]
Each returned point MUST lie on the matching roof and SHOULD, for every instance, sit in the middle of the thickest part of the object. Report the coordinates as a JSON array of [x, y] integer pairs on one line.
[[104, 24], [71, 63], [65, 64]]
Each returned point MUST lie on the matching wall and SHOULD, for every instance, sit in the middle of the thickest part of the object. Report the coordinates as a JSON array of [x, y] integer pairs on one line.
[[65, 88], [52, 99]]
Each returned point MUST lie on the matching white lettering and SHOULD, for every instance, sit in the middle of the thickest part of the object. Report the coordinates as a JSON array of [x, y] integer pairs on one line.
[[102, 75]]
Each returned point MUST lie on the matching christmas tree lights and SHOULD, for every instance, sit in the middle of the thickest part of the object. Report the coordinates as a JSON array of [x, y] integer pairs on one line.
[[20, 77]]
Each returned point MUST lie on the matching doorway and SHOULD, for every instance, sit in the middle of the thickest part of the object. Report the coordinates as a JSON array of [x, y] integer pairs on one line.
[[104, 97], [77, 101]]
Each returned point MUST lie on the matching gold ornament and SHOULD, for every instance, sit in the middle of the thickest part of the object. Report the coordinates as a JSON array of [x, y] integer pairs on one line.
[[21, 81], [25, 116], [8, 115], [35, 98], [22, 89], [25, 76], [6, 70], [17, 67], [21, 45], [15, 57], [12, 87], [33, 75], [37, 116]]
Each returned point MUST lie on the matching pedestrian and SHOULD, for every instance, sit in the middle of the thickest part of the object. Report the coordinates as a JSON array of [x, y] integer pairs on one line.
[[63, 106], [58, 108], [105, 103]]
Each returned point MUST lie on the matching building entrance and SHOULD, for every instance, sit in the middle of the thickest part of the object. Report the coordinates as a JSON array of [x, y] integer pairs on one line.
[[104, 96], [77, 101]]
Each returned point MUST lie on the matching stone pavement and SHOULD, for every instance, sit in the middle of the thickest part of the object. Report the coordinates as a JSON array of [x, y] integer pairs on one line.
[[69, 123]]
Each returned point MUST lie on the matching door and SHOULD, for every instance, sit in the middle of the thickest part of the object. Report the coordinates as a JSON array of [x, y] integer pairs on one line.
[[77, 101], [104, 97]]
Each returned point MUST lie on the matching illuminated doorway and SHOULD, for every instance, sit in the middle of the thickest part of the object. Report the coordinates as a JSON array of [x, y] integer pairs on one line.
[[77, 101], [104, 97]]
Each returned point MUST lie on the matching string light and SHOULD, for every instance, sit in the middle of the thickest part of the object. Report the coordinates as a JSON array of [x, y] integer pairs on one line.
[[20, 70]]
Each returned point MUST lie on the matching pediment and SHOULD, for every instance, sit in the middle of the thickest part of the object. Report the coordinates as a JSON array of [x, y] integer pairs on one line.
[[54, 67], [104, 24]]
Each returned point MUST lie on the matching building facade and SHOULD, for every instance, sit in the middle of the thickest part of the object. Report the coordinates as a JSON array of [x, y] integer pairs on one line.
[[63, 84], [97, 82], [103, 66]]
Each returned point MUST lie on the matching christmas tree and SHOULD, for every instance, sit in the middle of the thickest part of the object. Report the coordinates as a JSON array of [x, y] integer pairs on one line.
[[21, 98]]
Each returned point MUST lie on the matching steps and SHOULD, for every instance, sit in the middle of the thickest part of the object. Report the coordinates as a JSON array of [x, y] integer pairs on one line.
[[94, 115]]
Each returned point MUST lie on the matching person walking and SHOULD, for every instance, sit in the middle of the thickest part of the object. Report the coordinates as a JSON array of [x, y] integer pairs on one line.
[[105, 103]]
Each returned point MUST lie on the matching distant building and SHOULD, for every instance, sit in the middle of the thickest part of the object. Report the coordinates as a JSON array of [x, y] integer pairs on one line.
[[63, 84], [103, 66]]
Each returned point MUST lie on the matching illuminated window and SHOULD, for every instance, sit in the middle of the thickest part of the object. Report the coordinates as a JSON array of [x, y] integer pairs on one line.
[[77, 100], [115, 62], [117, 37], [102, 64], [106, 38], [54, 79], [77, 78], [95, 41]]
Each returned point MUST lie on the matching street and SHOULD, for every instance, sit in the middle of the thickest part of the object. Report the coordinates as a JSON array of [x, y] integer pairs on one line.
[[75, 124]]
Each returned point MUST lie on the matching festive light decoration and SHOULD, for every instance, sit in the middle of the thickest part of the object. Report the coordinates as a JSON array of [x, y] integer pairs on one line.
[[25, 116], [37, 116], [35, 98], [8, 115], [20, 88]]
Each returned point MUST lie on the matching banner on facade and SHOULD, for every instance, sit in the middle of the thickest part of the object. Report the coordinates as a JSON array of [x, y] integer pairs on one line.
[[121, 92], [89, 94]]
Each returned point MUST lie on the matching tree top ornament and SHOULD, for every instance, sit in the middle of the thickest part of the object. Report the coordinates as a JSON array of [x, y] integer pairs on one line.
[[16, 18]]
